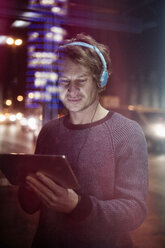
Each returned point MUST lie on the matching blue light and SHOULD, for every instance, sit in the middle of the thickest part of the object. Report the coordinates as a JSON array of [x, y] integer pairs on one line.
[[44, 34]]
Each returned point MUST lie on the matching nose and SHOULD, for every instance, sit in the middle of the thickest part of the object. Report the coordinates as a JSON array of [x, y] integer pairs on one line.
[[72, 88]]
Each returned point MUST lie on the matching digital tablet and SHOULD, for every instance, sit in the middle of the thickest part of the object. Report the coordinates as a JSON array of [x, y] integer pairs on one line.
[[17, 166]]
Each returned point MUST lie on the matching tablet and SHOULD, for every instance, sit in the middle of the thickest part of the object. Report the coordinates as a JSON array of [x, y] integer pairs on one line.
[[17, 166]]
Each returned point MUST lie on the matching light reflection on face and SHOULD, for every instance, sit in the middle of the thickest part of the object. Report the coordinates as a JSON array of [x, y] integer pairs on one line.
[[78, 91]]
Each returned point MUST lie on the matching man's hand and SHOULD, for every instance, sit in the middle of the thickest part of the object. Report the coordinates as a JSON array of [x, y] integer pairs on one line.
[[51, 194]]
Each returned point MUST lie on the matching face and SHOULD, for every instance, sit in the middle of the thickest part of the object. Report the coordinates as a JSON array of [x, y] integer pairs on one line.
[[78, 91]]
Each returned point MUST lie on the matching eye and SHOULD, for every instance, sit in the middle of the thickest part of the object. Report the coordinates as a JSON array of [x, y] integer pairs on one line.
[[63, 82], [81, 81]]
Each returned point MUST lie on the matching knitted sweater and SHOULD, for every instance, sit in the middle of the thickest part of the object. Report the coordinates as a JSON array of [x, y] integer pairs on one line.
[[109, 159]]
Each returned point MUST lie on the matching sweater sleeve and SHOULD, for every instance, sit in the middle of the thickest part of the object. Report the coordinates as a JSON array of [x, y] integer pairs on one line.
[[28, 199], [127, 210]]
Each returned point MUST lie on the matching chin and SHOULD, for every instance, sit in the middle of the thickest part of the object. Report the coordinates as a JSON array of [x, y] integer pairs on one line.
[[74, 109]]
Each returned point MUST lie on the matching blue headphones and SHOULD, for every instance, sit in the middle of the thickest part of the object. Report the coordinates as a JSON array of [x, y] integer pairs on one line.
[[104, 75]]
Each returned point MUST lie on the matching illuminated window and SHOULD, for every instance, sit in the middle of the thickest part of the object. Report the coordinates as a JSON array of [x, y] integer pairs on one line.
[[42, 40]]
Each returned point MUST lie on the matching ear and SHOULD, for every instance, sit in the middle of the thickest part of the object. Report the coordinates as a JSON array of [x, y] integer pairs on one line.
[[100, 89]]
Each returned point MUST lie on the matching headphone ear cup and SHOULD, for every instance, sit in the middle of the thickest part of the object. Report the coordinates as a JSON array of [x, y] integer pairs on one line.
[[104, 79]]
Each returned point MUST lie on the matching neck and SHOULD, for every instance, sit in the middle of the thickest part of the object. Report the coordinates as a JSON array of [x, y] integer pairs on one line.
[[93, 113]]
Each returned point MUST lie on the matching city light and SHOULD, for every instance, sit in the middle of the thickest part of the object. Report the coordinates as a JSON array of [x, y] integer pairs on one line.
[[52, 76], [58, 37], [19, 116], [32, 123], [19, 98], [2, 118], [20, 24], [159, 129], [58, 30], [3, 39], [49, 35], [37, 95], [33, 35], [59, 11], [54, 37], [8, 102], [41, 58], [12, 118], [10, 41], [31, 95], [46, 2], [18, 42], [52, 89], [57, 34], [30, 14], [40, 82]]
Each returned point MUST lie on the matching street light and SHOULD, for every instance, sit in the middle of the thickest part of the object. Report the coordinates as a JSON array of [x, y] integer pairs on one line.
[[18, 42], [10, 41], [19, 98], [8, 102]]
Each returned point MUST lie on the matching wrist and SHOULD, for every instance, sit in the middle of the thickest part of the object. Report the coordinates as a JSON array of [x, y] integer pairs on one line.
[[82, 209]]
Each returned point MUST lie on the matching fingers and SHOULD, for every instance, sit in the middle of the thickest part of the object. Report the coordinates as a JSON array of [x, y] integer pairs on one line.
[[47, 190], [58, 190], [51, 194], [42, 191]]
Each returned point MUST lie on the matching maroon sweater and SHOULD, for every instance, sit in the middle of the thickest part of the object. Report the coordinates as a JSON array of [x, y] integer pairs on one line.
[[109, 158]]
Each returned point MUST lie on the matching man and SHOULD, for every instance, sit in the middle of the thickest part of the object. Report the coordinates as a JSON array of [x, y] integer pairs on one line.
[[107, 153]]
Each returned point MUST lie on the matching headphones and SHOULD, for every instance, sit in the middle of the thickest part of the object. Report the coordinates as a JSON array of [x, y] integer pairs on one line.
[[104, 74]]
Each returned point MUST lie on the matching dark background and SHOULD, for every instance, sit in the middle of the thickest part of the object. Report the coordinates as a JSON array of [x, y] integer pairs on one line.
[[132, 29]]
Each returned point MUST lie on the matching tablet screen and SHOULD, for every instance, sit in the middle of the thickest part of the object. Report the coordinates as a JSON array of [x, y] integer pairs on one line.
[[17, 166]]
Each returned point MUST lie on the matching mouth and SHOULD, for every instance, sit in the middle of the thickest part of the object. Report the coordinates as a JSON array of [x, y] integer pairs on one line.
[[74, 100]]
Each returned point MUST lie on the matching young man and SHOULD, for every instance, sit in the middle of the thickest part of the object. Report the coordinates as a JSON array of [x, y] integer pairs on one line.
[[107, 153]]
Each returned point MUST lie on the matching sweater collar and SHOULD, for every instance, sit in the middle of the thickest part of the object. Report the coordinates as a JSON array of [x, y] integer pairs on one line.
[[88, 125]]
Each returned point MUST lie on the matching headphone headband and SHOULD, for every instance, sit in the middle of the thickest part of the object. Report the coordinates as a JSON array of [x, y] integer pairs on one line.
[[104, 75]]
